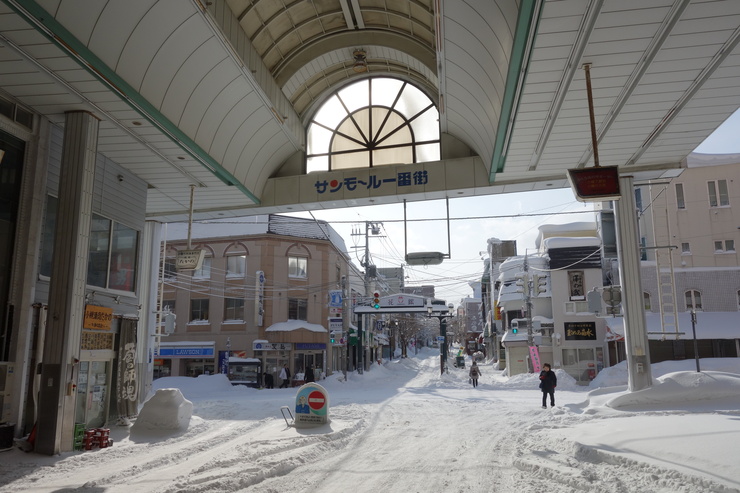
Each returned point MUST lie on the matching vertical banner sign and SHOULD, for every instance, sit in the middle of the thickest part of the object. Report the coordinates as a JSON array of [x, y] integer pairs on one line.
[[534, 354], [127, 392], [259, 300]]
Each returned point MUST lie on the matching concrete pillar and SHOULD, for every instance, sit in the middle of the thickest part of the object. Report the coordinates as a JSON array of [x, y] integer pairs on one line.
[[628, 250], [56, 416]]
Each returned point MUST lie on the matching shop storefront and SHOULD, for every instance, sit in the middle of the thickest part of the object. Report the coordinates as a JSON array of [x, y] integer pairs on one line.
[[185, 359]]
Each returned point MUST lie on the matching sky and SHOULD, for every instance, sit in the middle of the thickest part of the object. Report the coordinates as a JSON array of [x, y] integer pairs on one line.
[[403, 427], [513, 216]]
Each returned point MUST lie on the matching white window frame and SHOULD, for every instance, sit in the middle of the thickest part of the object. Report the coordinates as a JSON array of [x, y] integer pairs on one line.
[[298, 267], [236, 266], [718, 193], [692, 297], [200, 309], [205, 269], [231, 310], [680, 200]]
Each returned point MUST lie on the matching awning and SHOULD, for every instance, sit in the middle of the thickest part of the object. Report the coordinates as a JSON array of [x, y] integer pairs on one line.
[[709, 325]]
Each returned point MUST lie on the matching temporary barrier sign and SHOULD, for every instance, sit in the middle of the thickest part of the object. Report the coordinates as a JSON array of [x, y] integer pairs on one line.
[[311, 406]]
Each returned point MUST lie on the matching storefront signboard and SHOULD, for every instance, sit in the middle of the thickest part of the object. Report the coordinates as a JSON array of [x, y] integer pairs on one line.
[[272, 346], [97, 318], [185, 352]]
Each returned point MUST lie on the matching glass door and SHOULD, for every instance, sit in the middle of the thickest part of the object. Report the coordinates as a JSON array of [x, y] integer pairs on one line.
[[93, 382]]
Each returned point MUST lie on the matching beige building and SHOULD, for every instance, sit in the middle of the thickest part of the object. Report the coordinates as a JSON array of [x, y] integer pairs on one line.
[[263, 295]]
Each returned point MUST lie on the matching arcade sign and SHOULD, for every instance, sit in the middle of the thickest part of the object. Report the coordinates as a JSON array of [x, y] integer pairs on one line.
[[595, 184]]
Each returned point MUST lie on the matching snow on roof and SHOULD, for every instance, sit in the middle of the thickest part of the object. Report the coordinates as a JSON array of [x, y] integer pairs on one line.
[[697, 159], [298, 227], [570, 242], [236, 359], [235, 226], [709, 325], [291, 325]]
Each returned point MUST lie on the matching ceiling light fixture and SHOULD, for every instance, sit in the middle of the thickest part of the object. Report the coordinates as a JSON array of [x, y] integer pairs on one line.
[[360, 64]]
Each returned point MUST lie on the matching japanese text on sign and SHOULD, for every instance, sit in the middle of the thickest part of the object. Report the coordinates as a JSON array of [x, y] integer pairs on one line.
[[351, 183]]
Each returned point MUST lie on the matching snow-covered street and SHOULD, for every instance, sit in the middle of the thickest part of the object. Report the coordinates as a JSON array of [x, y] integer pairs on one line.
[[401, 427]]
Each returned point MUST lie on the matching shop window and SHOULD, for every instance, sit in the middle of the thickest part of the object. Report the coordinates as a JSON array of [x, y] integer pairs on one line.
[[693, 300], [199, 310], [112, 256], [233, 309], [297, 309], [583, 364], [297, 267]]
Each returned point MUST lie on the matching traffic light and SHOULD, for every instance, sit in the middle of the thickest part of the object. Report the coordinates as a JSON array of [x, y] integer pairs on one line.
[[540, 283], [522, 280], [332, 340], [514, 330], [613, 297], [376, 300]]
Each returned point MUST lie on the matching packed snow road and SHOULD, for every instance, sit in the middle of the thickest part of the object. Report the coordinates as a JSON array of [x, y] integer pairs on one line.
[[400, 427]]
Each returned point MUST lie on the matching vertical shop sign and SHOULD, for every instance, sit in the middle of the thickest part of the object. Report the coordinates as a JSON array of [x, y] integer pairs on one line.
[[259, 300]]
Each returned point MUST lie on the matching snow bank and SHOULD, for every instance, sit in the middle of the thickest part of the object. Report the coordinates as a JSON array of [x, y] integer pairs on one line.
[[166, 410]]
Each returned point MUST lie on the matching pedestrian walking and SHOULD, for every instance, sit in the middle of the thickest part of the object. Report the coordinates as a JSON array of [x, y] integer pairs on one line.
[[474, 373], [269, 380], [548, 382], [285, 376]]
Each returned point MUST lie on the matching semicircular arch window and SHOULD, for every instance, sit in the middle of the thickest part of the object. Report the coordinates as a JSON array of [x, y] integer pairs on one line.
[[373, 122]]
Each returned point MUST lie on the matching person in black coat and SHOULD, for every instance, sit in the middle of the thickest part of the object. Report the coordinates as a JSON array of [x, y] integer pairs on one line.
[[269, 380], [309, 376], [548, 382]]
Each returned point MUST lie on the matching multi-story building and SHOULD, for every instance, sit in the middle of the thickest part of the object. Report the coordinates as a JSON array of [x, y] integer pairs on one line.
[[690, 229], [262, 297], [688, 235], [544, 303]]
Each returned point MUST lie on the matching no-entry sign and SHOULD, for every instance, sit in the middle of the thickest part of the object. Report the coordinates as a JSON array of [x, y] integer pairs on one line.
[[311, 406]]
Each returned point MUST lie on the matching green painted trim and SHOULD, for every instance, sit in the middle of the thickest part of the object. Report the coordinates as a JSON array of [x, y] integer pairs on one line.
[[527, 21], [34, 14]]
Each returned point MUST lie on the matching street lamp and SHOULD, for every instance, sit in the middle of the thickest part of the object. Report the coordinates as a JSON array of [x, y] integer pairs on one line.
[[442, 332]]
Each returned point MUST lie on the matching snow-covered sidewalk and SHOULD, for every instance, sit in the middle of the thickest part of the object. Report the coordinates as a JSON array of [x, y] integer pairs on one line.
[[403, 427]]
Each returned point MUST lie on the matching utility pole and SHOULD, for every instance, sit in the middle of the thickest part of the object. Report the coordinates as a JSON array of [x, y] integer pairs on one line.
[[345, 326], [370, 273]]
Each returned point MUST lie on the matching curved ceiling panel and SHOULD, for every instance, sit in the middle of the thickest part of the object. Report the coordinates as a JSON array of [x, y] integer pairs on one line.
[[478, 36], [215, 94]]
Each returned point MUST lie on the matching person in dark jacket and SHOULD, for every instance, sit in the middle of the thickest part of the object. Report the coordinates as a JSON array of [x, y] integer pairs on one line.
[[269, 380], [548, 382], [309, 376]]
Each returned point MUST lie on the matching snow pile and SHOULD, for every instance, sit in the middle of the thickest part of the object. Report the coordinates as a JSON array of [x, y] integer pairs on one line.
[[683, 387], [166, 410]]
